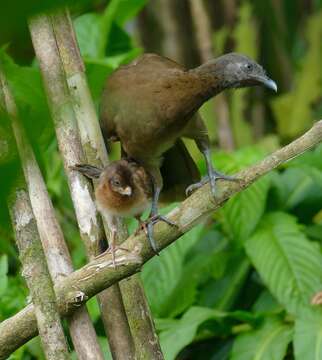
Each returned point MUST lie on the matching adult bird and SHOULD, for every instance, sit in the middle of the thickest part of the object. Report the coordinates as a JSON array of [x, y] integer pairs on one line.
[[152, 102]]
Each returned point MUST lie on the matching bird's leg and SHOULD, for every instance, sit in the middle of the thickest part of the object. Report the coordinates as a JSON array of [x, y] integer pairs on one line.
[[154, 216], [213, 174], [112, 246]]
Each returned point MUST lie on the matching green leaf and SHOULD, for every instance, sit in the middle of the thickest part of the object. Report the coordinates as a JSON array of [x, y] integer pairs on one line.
[[161, 275], [207, 258], [241, 214], [95, 31], [89, 34], [97, 69], [3, 274], [302, 183], [222, 293], [288, 263], [26, 86], [127, 9], [183, 331], [269, 342], [308, 338]]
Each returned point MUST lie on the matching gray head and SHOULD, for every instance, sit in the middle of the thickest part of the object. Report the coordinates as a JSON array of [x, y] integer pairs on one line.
[[237, 71]]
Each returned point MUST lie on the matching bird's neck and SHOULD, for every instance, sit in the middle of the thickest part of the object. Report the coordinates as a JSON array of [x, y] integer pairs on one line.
[[212, 80]]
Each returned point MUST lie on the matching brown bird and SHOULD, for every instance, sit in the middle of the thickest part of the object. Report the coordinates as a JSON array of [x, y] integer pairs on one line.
[[152, 102], [124, 189]]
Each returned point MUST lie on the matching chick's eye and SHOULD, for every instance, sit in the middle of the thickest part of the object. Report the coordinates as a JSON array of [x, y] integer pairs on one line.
[[116, 182]]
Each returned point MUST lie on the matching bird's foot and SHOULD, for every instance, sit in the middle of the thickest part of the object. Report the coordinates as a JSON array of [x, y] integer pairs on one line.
[[112, 250], [147, 227], [215, 176]]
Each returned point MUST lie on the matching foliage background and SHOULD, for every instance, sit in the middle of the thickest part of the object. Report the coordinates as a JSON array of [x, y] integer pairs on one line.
[[239, 286]]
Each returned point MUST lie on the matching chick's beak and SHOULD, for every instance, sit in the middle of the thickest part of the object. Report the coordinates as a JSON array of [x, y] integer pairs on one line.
[[126, 191]]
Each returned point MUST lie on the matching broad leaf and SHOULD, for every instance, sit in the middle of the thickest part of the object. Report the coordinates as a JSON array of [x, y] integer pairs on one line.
[[241, 214], [308, 338], [182, 332], [162, 274], [268, 342], [286, 260]]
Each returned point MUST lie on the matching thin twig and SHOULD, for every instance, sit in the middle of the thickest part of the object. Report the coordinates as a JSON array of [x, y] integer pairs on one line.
[[99, 274]]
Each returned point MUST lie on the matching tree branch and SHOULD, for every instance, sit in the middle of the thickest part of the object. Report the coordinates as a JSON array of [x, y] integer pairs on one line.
[[99, 274]]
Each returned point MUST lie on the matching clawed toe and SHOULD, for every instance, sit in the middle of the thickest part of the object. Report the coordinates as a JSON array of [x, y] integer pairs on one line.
[[147, 227], [216, 176]]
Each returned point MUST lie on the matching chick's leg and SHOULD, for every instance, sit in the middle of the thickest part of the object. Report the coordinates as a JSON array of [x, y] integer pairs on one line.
[[111, 221]]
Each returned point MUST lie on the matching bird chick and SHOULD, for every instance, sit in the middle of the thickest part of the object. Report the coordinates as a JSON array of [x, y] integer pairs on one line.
[[124, 189]]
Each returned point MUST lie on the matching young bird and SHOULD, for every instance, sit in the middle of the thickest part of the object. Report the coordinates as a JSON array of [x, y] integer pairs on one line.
[[152, 102], [124, 189]]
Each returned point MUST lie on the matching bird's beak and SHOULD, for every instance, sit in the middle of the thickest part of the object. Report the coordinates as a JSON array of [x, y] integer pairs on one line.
[[126, 191], [269, 83]]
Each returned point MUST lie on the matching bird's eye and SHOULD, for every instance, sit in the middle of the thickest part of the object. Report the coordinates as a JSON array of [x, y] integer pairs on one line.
[[249, 67], [116, 182]]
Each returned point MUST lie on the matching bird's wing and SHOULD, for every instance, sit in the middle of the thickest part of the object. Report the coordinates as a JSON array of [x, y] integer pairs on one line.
[[178, 171], [137, 80]]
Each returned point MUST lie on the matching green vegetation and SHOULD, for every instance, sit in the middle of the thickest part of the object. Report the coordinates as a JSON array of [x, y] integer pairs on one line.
[[239, 286]]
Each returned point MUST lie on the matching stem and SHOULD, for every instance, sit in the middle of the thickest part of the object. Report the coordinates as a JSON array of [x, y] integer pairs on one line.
[[37, 275], [57, 255], [100, 274], [135, 304]]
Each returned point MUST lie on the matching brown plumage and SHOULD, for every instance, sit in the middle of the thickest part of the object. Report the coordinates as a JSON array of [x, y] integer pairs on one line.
[[152, 102], [124, 189]]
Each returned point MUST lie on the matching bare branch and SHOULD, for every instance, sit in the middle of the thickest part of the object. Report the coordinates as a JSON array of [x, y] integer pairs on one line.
[[99, 274]]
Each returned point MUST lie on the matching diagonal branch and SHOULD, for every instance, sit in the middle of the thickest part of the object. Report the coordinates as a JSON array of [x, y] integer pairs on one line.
[[99, 274]]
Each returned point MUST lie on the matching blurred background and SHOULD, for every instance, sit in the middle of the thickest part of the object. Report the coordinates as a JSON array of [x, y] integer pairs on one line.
[[212, 296]]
